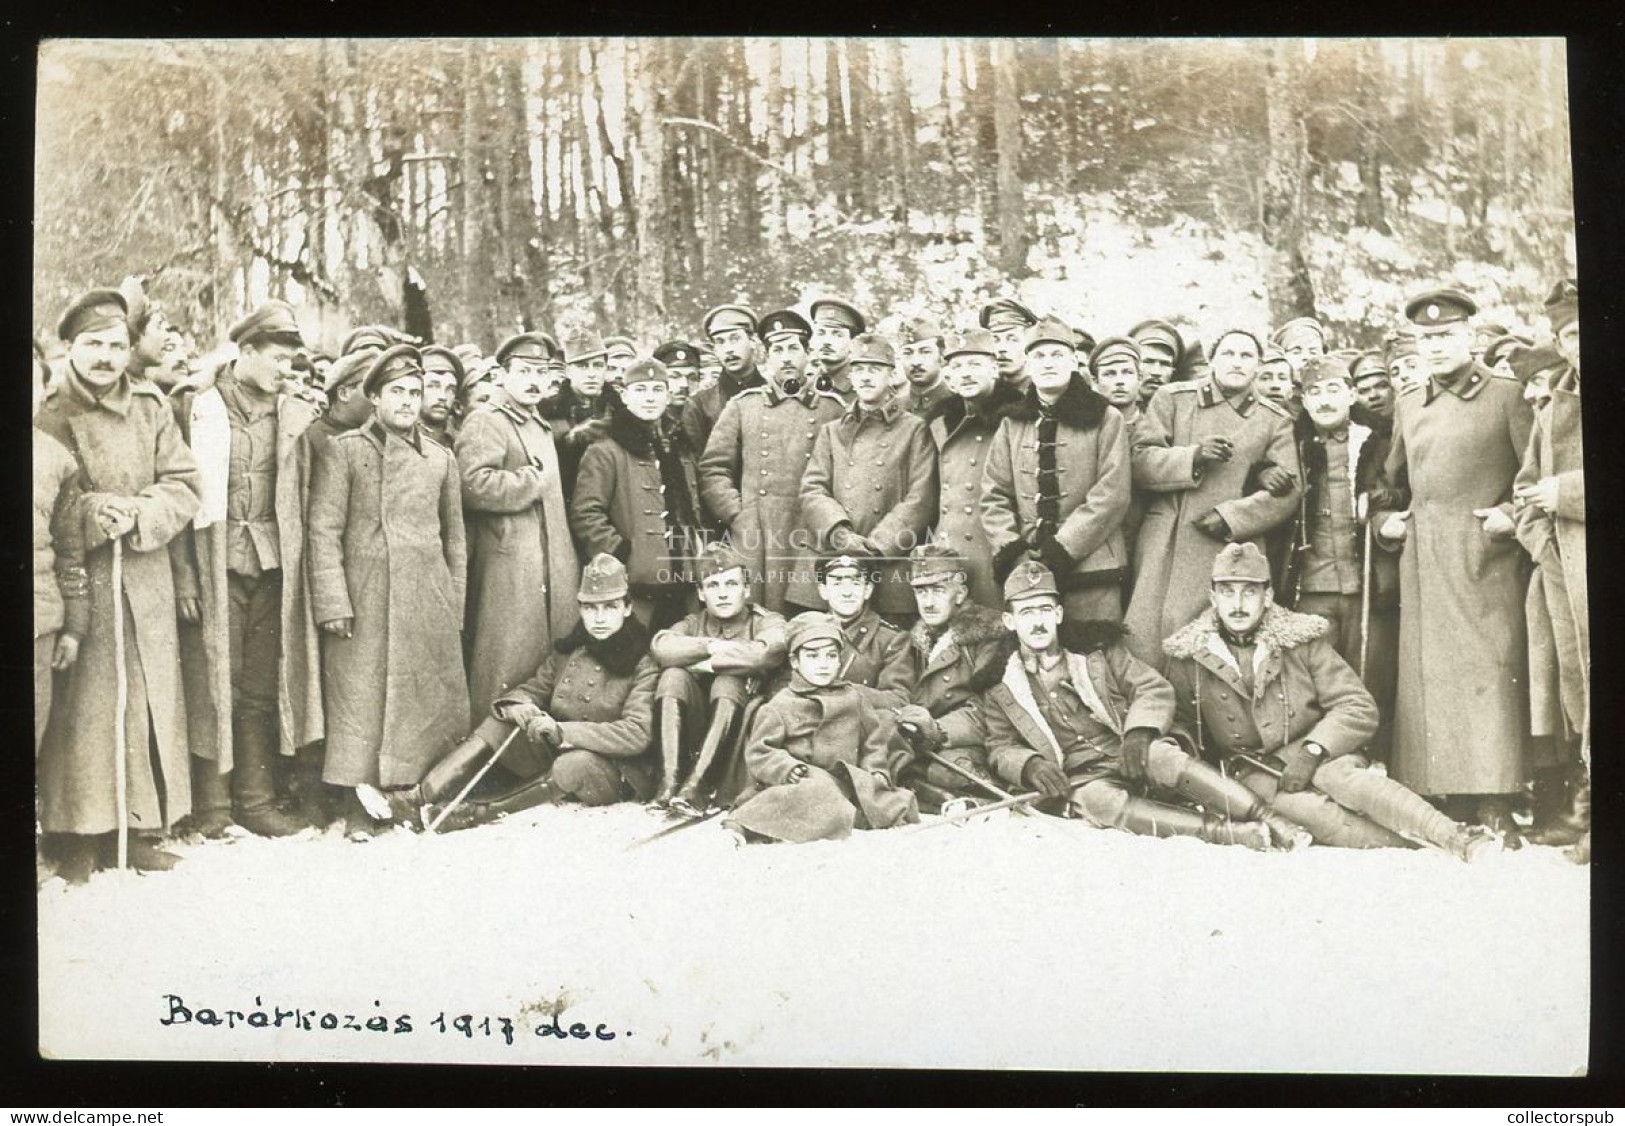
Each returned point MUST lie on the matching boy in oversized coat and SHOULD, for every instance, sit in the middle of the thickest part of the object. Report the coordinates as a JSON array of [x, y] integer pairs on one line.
[[1261, 690], [1056, 482], [817, 751], [590, 704], [1079, 718], [386, 578]]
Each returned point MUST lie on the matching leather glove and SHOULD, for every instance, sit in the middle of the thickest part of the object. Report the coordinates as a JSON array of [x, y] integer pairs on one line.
[[918, 726], [1136, 752], [1212, 524], [1300, 769], [1044, 776]]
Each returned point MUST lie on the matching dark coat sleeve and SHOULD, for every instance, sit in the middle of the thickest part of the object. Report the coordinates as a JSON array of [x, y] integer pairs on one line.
[[591, 518], [324, 533]]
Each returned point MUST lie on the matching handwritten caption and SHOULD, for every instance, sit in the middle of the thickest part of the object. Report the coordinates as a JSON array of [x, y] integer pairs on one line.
[[470, 1026]]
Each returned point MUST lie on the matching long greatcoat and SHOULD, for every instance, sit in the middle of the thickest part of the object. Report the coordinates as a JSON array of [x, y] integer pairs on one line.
[[1459, 720], [386, 549], [750, 483], [1173, 560], [200, 572], [523, 571], [875, 471], [963, 432], [129, 446], [1557, 542]]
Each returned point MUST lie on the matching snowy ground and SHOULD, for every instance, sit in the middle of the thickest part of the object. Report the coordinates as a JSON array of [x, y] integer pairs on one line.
[[1013, 942]]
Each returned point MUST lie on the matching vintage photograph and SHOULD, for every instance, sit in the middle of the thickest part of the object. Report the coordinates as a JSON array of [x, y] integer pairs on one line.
[[822, 552]]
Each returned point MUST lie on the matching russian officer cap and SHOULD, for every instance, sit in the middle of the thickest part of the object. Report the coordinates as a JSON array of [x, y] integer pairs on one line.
[[1160, 335], [784, 322], [932, 563], [368, 336], [678, 354], [400, 362], [839, 312], [724, 317], [350, 368], [846, 561], [1006, 313], [274, 318], [1297, 324], [528, 346], [92, 312], [1114, 347], [603, 579], [1439, 307], [646, 370], [872, 348], [620, 345], [458, 372], [1367, 363], [1241, 562], [810, 626], [1030, 579]]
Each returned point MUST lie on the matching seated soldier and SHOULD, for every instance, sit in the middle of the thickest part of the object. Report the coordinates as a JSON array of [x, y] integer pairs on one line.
[[817, 751], [877, 652], [1261, 689], [713, 663], [1076, 714], [589, 704], [959, 648]]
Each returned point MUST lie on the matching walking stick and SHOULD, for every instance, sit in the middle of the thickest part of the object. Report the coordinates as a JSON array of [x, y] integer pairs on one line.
[[1017, 802], [121, 707], [472, 782]]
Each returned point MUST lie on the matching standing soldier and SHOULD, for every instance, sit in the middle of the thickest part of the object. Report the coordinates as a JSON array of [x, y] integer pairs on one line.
[[871, 483], [149, 334], [1458, 443], [1056, 484], [962, 427], [1380, 652], [241, 580], [1195, 454], [637, 498], [1114, 372], [61, 587], [835, 324], [619, 352], [386, 579], [1405, 367], [1550, 492], [1161, 350], [1277, 381], [522, 565], [682, 362], [142, 487], [752, 468], [1299, 339], [710, 366], [442, 385], [579, 415], [1009, 321], [920, 352], [732, 331]]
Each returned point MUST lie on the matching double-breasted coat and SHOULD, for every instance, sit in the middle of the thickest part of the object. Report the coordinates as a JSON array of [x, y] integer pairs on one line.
[[129, 446], [874, 471], [1459, 720], [701, 412], [1173, 559], [963, 432], [750, 483], [878, 656], [386, 550], [523, 570]]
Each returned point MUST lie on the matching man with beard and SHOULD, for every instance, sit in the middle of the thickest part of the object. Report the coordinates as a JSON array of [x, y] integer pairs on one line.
[[1161, 350], [141, 486], [877, 653], [752, 469], [1550, 495], [870, 486], [253, 680], [1080, 719], [442, 380], [962, 426], [1194, 456], [714, 662], [732, 331], [1260, 688], [637, 498], [817, 751], [589, 703], [835, 323], [1459, 441], [1008, 321], [921, 358], [1064, 442], [522, 564]]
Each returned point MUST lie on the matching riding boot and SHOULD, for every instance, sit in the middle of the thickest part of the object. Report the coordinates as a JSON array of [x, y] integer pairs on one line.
[[1148, 818], [211, 799], [537, 792], [671, 749], [305, 785], [1231, 801], [453, 770], [253, 781], [1575, 820], [716, 737]]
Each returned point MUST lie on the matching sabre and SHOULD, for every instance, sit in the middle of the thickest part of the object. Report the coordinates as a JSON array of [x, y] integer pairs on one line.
[[472, 782]]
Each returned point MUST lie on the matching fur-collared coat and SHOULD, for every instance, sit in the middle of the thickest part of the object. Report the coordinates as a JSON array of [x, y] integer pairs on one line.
[[602, 693], [638, 499], [875, 472], [1302, 690], [964, 434], [129, 446], [1173, 559], [1118, 689], [702, 410], [953, 674], [1289, 542], [1063, 502]]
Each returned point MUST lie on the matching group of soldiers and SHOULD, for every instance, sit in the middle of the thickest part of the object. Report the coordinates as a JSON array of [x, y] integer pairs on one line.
[[814, 576]]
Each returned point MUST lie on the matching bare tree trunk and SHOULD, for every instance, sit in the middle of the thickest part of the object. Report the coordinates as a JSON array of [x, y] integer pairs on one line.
[[986, 160], [835, 123], [1370, 211], [861, 172], [1286, 274], [774, 221], [1012, 208], [901, 128]]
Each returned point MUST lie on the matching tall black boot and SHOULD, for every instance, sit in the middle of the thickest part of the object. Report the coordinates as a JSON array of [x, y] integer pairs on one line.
[[717, 736], [253, 780], [671, 748], [211, 799], [537, 792]]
